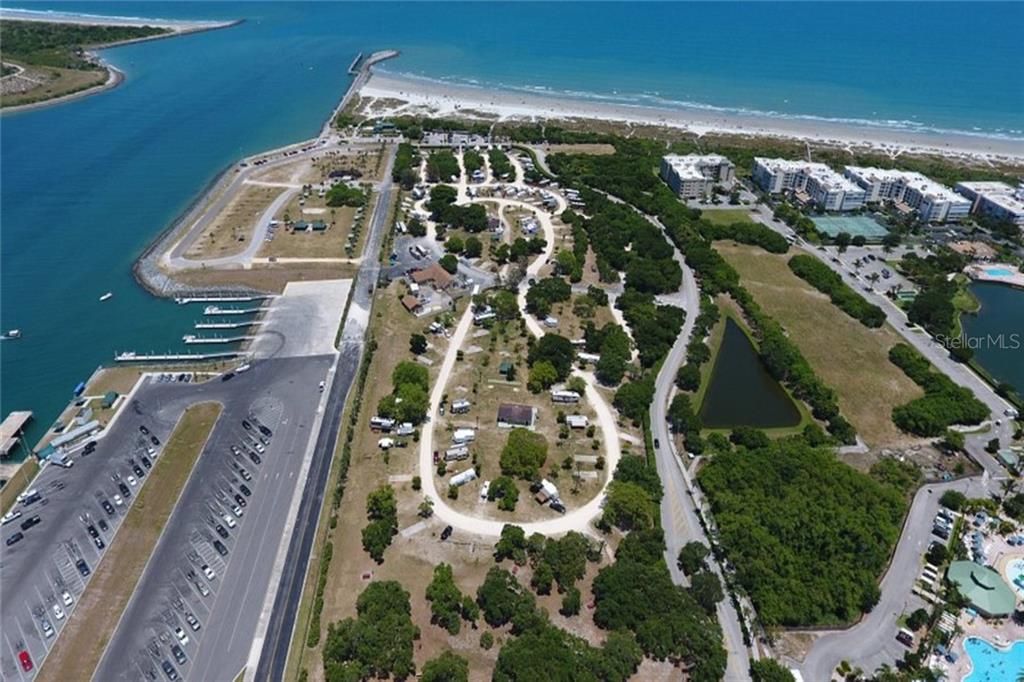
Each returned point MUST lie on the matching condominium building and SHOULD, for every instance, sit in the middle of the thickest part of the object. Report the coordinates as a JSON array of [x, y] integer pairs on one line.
[[931, 201], [995, 199], [811, 182], [695, 175]]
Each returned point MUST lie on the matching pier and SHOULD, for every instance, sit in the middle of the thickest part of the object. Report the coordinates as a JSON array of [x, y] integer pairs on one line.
[[215, 310], [131, 356], [360, 70], [228, 325], [193, 339], [214, 298], [353, 68]]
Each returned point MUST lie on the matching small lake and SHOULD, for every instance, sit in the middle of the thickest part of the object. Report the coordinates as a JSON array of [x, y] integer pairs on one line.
[[742, 393], [996, 333]]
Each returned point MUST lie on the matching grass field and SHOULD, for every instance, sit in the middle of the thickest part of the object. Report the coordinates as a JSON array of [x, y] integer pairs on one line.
[[329, 243], [848, 356], [230, 232], [727, 216], [55, 82], [77, 653]]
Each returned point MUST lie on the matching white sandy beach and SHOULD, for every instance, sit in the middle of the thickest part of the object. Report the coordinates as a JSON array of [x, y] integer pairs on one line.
[[428, 97], [176, 25]]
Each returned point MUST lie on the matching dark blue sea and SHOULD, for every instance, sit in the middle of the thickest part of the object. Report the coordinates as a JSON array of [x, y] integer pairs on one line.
[[86, 185]]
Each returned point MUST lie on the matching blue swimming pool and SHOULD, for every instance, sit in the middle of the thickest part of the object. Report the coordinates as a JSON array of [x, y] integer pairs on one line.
[[989, 664], [998, 272]]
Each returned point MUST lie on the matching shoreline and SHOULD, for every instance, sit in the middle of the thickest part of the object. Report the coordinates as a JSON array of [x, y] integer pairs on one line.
[[115, 76], [423, 96]]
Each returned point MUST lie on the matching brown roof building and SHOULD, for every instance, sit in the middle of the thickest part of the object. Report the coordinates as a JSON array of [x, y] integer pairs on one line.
[[411, 303], [432, 274]]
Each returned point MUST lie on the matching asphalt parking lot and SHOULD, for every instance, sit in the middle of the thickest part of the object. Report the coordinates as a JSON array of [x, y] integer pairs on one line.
[[217, 608], [59, 553]]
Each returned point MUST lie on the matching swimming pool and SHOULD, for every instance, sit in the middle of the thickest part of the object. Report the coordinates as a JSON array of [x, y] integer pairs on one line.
[[1014, 574], [998, 272], [989, 664]]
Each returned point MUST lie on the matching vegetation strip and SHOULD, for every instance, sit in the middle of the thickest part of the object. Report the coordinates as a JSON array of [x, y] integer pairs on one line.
[[99, 608]]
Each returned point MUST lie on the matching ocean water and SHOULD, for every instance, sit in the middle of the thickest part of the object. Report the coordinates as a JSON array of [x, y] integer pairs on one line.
[[86, 185]]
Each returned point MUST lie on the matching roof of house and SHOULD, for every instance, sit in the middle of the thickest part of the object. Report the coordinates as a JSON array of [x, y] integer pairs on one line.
[[410, 302], [432, 273], [983, 587], [511, 413]]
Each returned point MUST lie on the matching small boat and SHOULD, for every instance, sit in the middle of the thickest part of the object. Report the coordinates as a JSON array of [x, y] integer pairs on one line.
[[13, 334], [106, 297]]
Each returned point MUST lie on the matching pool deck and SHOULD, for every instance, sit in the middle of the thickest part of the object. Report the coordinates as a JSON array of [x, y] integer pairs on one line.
[[983, 273]]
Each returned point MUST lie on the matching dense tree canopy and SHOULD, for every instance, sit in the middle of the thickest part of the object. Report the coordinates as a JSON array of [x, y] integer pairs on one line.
[[557, 350], [524, 454], [808, 535], [377, 642], [825, 280], [944, 402]]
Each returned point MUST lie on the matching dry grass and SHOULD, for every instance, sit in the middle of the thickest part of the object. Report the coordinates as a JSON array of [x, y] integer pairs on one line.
[[17, 483], [584, 148], [230, 232], [848, 356], [270, 278], [78, 651], [329, 243]]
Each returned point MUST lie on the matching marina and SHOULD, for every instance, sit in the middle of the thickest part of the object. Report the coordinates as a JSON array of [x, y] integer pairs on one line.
[[132, 356], [192, 339], [228, 325], [217, 310], [219, 298]]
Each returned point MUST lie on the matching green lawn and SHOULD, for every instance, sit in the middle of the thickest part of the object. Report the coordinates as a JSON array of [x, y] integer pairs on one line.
[[727, 216]]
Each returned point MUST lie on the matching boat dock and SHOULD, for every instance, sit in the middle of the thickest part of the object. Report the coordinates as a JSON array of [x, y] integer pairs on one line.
[[131, 356], [226, 298], [217, 310], [193, 339], [11, 430], [228, 325]]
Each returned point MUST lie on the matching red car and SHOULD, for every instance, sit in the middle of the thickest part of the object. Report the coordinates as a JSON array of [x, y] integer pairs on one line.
[[26, 661]]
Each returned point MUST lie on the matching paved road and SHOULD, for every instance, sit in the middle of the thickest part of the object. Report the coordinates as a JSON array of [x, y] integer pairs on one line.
[[283, 395], [271, 652], [35, 571], [872, 642]]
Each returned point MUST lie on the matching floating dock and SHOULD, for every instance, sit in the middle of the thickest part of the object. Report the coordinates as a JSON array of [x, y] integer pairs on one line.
[[217, 310], [193, 339], [131, 356], [228, 325], [11, 429], [185, 300]]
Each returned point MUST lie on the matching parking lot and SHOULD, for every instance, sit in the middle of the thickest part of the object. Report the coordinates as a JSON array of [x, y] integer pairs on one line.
[[195, 610], [79, 510], [81, 501]]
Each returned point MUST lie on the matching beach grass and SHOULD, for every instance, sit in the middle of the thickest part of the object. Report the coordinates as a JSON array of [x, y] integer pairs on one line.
[[89, 628]]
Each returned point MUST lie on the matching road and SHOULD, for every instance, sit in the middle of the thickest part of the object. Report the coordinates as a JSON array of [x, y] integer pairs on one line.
[[872, 642], [282, 394], [270, 652], [679, 503]]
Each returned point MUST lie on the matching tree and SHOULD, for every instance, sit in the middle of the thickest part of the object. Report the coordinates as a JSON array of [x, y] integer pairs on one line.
[[769, 670], [378, 642], [446, 601], [706, 589], [556, 350], [524, 454], [500, 596], [382, 513], [446, 668], [1014, 506], [511, 544], [917, 620], [418, 344], [408, 372], [542, 578], [504, 490], [992, 447], [542, 376], [454, 245], [953, 441], [570, 602], [692, 557], [473, 247], [450, 263], [633, 399], [937, 554], [953, 500], [842, 241], [628, 506], [688, 377]]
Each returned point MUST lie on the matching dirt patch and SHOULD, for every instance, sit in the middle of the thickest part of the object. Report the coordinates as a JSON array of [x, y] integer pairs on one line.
[[848, 356], [78, 651], [597, 149], [230, 232], [271, 278]]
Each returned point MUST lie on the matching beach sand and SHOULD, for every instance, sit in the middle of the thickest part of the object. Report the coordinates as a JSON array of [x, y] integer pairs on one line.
[[176, 25], [386, 94]]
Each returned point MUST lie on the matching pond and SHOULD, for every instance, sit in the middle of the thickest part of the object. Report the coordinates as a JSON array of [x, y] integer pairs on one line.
[[996, 333], [741, 392]]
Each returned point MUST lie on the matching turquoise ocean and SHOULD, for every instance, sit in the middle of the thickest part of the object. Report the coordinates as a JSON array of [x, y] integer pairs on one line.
[[85, 186]]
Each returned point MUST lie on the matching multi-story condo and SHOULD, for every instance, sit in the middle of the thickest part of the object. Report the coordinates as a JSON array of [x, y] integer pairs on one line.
[[933, 203], [995, 199], [695, 175], [813, 182]]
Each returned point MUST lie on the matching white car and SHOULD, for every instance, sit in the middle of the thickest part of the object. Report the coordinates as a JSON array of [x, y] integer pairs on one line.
[[484, 490], [47, 628], [182, 637], [66, 598], [132, 482], [203, 590], [11, 516], [117, 500], [58, 612], [26, 494], [208, 572], [237, 511], [230, 521]]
